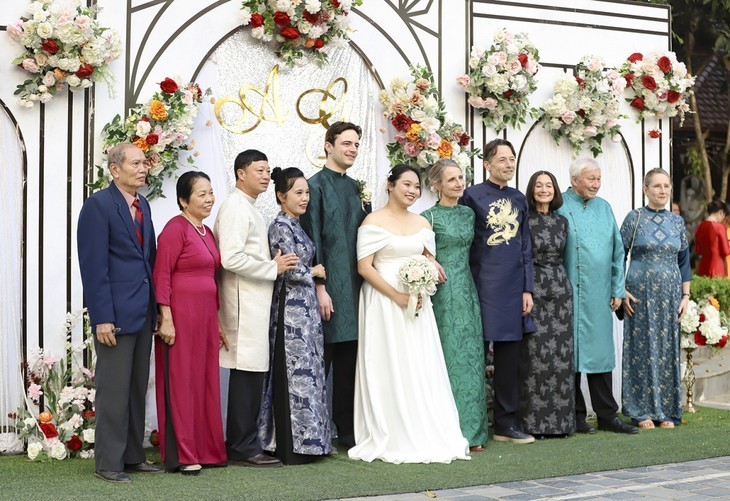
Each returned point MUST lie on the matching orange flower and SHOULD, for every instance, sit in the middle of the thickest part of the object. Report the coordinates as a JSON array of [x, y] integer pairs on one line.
[[412, 134], [157, 110], [45, 417], [714, 302], [445, 149], [60, 75], [141, 143]]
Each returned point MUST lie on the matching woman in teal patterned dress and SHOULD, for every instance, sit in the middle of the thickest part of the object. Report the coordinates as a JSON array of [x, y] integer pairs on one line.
[[657, 293], [456, 304]]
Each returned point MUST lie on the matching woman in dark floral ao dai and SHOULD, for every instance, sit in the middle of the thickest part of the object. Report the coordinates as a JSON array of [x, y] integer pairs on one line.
[[657, 293], [547, 375], [294, 417]]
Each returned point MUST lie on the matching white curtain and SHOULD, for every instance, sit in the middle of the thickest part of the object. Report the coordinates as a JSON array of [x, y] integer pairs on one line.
[[11, 208]]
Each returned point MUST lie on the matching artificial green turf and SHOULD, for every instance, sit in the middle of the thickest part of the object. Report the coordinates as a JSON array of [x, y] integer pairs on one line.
[[704, 435]]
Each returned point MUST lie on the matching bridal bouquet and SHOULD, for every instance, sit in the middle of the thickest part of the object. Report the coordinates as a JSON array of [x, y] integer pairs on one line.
[[160, 128], [585, 107], [500, 80], [66, 427], [420, 277], [702, 325], [298, 26], [425, 132], [659, 85], [63, 43]]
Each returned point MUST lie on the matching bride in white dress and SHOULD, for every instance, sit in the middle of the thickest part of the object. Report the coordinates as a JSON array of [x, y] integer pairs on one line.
[[404, 408]]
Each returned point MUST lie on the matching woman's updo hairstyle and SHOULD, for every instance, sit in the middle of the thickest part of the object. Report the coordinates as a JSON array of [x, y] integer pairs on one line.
[[397, 172], [716, 205], [284, 179]]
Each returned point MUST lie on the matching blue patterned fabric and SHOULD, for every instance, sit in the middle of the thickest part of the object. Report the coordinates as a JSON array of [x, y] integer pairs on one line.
[[651, 382]]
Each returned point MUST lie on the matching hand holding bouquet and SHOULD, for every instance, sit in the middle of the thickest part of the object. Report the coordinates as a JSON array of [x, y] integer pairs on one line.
[[420, 276]]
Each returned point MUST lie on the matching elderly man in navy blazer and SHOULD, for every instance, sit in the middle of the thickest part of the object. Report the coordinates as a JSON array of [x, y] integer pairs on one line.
[[116, 244]]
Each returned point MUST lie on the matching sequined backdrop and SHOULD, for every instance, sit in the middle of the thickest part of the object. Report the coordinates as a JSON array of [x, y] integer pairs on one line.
[[283, 135]]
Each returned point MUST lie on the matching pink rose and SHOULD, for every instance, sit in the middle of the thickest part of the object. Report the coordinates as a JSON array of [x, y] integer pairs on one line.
[[590, 131], [15, 30], [490, 103], [568, 116], [411, 149], [30, 65], [82, 22], [433, 141], [463, 81], [476, 101]]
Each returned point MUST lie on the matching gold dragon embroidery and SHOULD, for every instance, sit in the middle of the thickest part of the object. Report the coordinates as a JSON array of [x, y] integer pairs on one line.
[[502, 219]]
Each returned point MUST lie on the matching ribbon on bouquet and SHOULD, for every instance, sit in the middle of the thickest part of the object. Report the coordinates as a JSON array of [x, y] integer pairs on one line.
[[414, 296]]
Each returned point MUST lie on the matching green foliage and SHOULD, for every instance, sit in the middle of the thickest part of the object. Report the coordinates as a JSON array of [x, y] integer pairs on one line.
[[718, 287]]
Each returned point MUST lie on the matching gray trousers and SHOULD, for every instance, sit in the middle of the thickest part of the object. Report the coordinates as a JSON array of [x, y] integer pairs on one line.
[[121, 377]]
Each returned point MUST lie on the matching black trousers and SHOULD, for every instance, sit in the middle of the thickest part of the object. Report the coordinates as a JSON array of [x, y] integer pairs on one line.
[[600, 386], [244, 405], [341, 359], [506, 383], [121, 376]]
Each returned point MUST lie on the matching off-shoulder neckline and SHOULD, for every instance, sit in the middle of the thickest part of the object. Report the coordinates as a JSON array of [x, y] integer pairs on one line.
[[394, 234]]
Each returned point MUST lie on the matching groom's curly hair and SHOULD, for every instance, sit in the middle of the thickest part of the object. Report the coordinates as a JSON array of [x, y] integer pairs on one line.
[[338, 128]]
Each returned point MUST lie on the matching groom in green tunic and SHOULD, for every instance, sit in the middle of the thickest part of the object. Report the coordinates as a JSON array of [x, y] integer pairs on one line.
[[594, 261], [332, 219]]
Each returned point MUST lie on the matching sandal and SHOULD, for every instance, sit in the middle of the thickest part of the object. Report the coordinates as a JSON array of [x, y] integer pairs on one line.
[[666, 424], [647, 424]]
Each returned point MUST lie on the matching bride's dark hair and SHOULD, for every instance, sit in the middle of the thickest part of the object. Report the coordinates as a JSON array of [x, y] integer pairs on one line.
[[398, 170], [284, 179]]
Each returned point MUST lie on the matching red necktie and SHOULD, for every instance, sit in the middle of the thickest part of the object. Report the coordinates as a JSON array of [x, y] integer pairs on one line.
[[138, 222]]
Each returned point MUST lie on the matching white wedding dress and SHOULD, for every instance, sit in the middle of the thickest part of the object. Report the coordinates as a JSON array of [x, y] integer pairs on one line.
[[404, 408]]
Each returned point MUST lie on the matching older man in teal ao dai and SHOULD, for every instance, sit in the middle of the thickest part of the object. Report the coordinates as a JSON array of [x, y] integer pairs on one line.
[[594, 261]]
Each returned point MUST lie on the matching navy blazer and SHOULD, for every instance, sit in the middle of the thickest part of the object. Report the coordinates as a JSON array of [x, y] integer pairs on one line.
[[116, 271]]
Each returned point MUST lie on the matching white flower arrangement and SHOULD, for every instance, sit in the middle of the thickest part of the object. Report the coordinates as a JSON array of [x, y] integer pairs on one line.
[[420, 276], [63, 43], [702, 325], [659, 84], [66, 427], [501, 78], [585, 107], [298, 27]]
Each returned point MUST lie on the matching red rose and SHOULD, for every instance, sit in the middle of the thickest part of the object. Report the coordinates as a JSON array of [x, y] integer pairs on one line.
[[700, 340], [581, 113], [168, 86], [88, 414], [673, 96], [665, 64], [648, 82], [401, 122], [722, 342], [312, 18], [523, 59], [464, 140], [152, 138], [50, 46], [702, 317], [654, 134], [629, 77], [144, 119], [281, 18], [85, 70], [336, 4], [49, 430], [318, 44], [290, 32], [636, 56], [257, 20], [508, 94], [637, 103], [581, 82], [155, 438], [74, 444]]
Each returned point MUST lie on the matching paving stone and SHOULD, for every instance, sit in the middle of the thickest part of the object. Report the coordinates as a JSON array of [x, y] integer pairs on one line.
[[715, 492], [450, 493], [518, 485], [520, 497], [625, 474], [495, 491], [686, 486]]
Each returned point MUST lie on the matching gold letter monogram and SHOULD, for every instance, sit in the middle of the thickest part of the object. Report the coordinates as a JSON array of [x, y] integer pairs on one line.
[[325, 115]]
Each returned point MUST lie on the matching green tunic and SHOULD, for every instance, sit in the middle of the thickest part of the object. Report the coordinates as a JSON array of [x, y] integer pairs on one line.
[[333, 216], [458, 316]]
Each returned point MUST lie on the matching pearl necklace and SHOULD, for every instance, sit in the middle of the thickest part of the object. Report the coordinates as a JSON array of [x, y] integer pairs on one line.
[[201, 233]]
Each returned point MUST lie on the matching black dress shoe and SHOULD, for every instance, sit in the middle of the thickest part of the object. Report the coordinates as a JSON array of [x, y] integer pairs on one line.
[[583, 427], [258, 461], [117, 477], [616, 425], [513, 435], [142, 468]]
